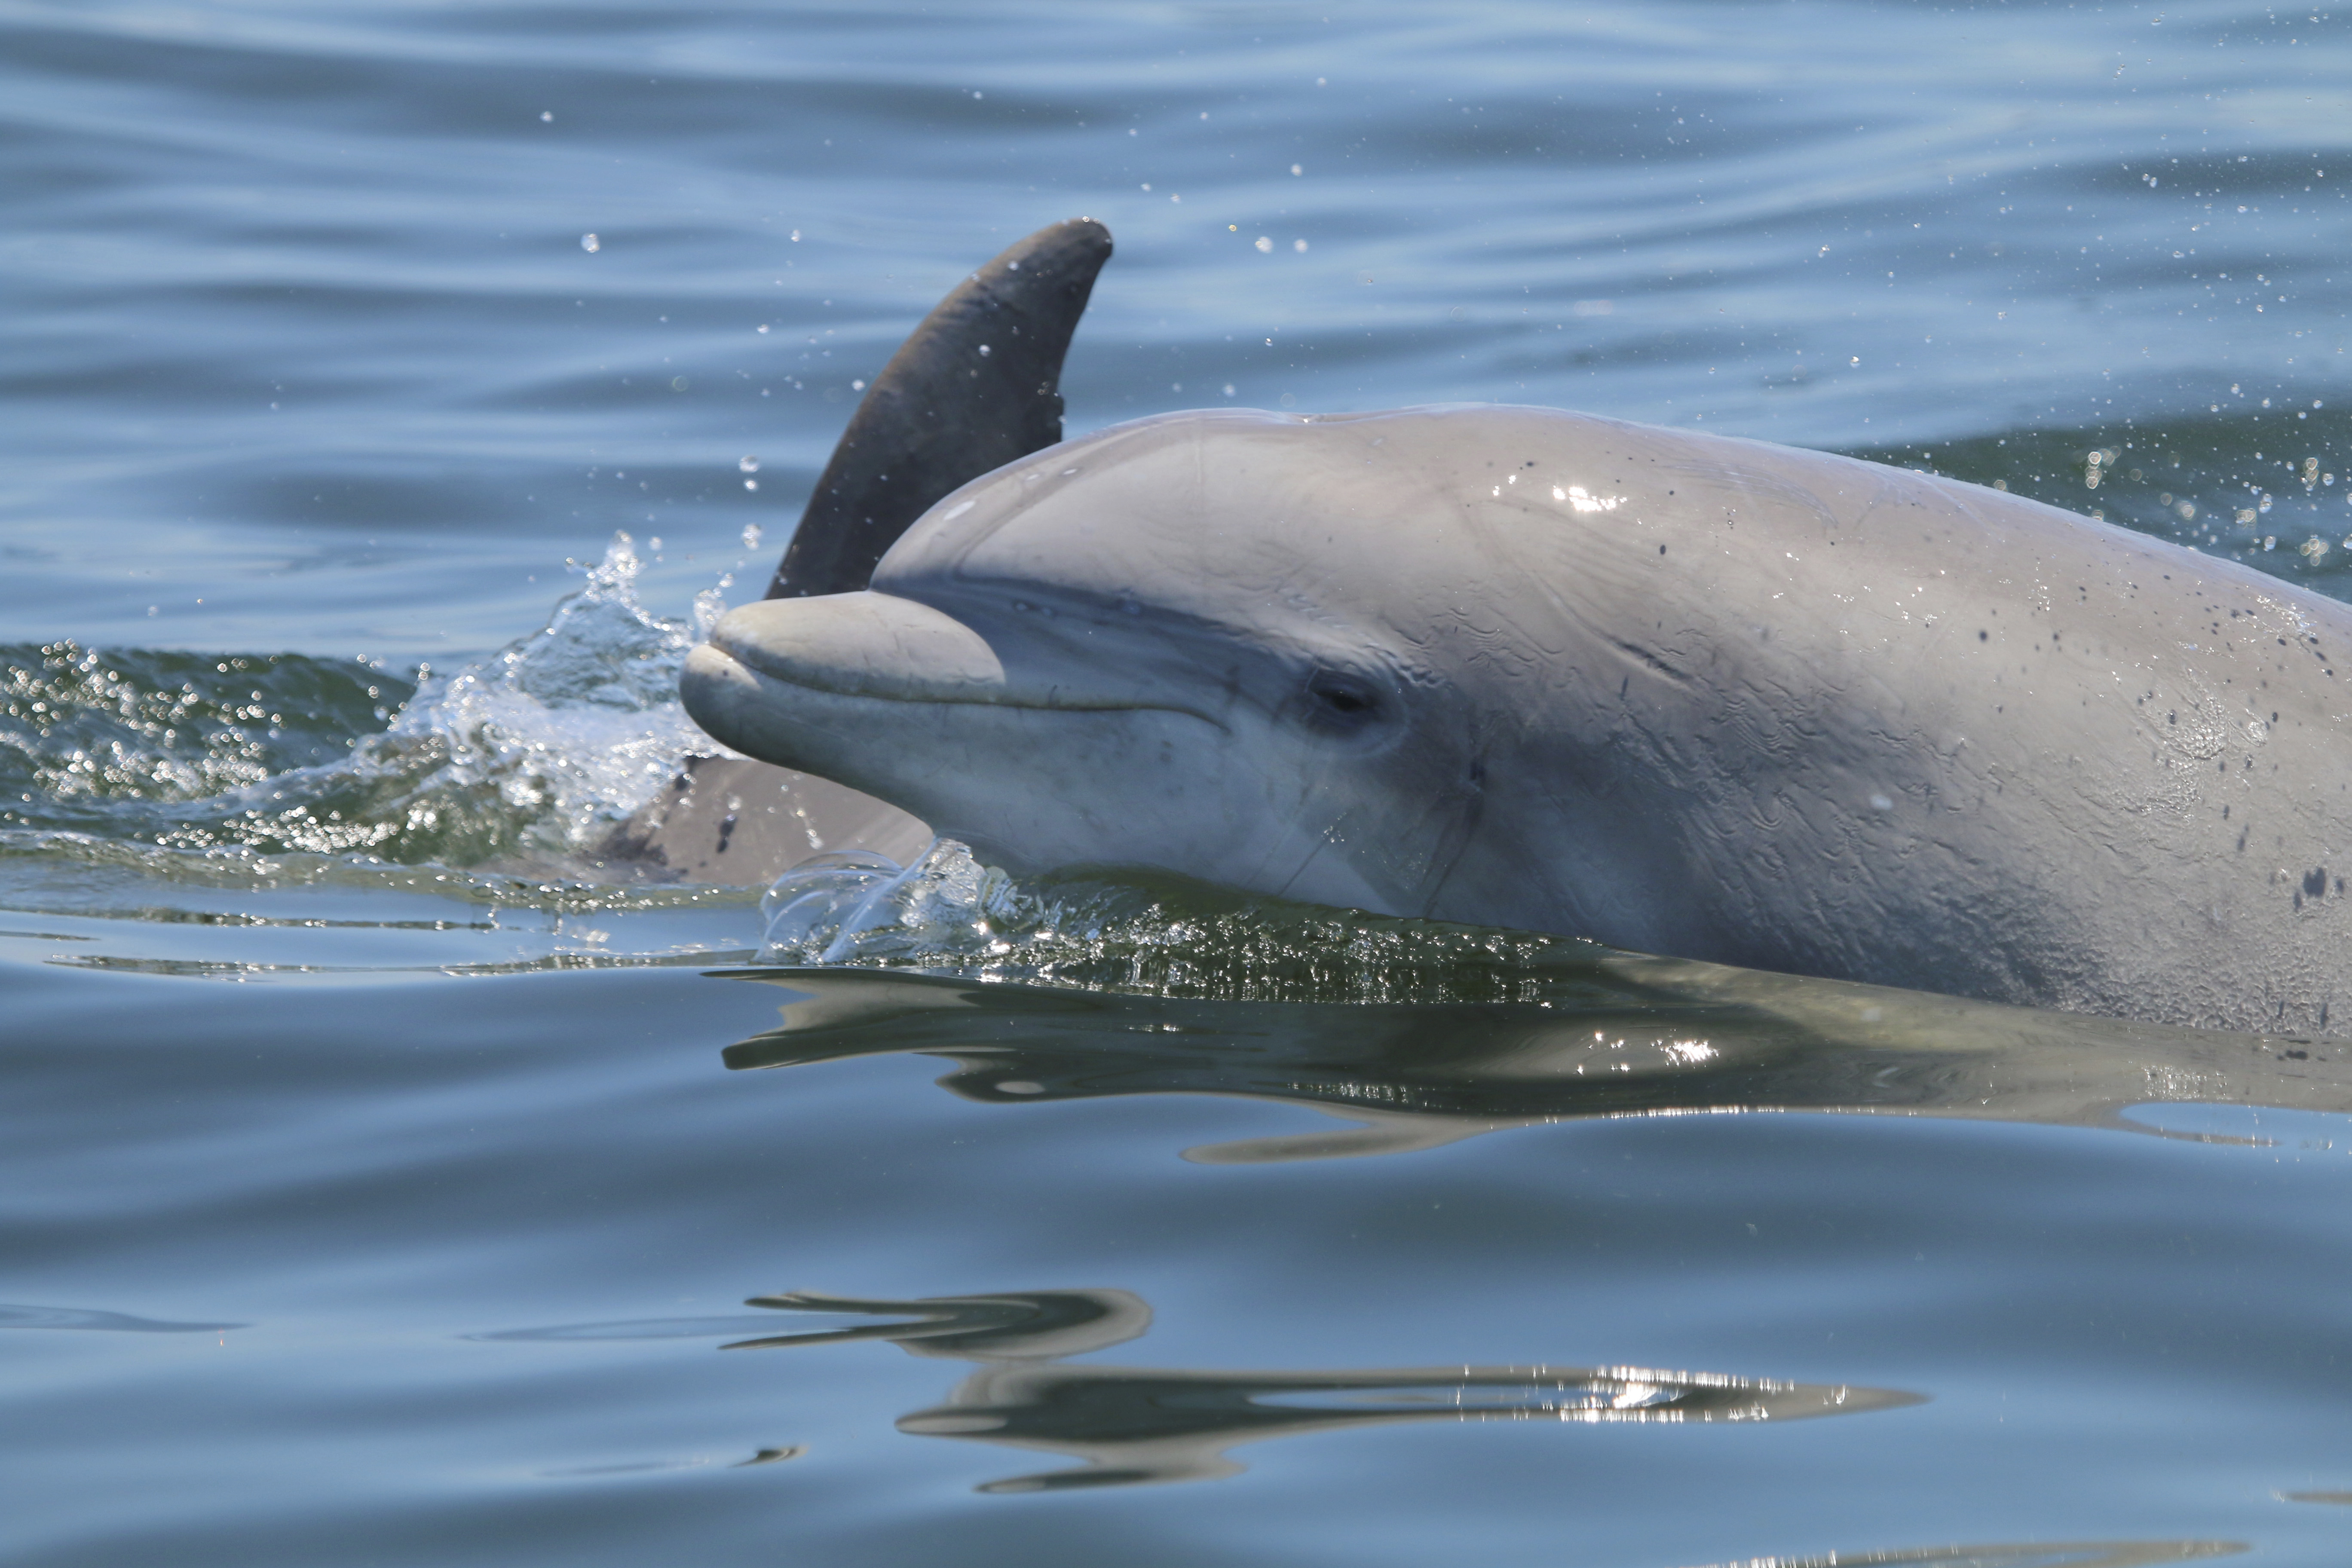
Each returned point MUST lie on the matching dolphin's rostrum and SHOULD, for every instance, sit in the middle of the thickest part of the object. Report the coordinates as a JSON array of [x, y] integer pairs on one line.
[[976, 385]]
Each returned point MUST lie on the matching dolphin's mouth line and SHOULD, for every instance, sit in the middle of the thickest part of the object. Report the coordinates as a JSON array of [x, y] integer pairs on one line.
[[954, 700]]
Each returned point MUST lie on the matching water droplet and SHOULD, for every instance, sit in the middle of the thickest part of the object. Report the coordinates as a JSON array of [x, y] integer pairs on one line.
[[748, 464], [750, 536], [856, 386], [547, 117], [1228, 389], [1299, 246], [590, 243], [1265, 245], [983, 351], [1296, 169], [677, 383]]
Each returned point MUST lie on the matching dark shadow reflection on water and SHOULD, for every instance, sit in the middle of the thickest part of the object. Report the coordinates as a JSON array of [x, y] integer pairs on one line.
[[27, 1317], [1142, 1425], [2038, 1554], [1134, 1425], [1623, 1036]]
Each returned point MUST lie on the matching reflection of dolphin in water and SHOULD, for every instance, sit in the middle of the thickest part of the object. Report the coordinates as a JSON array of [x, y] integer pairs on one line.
[[1138, 1424], [1607, 1035], [1142, 1425], [1671, 691], [2035, 1554]]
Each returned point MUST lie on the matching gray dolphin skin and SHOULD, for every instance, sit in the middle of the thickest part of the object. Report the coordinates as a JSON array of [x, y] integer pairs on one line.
[[1683, 694]]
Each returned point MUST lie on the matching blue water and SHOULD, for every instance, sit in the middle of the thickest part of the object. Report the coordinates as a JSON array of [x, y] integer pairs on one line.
[[381, 1182]]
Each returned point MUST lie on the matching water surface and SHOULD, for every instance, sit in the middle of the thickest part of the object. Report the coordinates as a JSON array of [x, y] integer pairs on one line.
[[386, 1183]]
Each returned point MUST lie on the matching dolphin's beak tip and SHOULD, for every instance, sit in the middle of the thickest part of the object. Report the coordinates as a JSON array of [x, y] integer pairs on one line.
[[704, 686]]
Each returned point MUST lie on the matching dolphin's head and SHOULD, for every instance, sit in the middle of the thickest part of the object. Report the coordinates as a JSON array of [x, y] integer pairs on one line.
[[1231, 645]]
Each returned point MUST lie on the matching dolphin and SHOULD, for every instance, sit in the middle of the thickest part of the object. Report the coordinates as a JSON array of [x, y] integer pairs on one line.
[[1682, 694], [975, 385]]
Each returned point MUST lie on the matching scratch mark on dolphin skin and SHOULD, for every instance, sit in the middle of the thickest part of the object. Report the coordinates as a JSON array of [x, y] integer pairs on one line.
[[1649, 662], [1752, 485], [1313, 851], [1455, 840]]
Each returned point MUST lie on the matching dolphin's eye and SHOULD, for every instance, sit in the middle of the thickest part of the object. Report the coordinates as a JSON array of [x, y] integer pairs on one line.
[[1341, 703]]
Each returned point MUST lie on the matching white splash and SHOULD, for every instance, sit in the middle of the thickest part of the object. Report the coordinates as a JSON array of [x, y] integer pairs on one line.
[[838, 908], [578, 723]]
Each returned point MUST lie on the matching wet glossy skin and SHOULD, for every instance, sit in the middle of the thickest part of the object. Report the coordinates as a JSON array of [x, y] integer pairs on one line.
[[1678, 693]]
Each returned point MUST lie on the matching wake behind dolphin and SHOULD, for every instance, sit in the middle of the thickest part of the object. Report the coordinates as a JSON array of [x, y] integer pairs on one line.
[[1679, 694]]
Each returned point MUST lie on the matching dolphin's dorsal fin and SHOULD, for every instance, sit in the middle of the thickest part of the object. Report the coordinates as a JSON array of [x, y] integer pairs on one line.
[[974, 387]]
